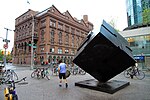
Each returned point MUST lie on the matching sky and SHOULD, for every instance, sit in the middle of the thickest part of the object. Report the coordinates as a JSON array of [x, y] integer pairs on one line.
[[97, 10]]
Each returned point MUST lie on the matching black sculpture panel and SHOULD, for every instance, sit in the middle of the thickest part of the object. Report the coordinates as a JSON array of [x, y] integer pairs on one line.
[[105, 54]]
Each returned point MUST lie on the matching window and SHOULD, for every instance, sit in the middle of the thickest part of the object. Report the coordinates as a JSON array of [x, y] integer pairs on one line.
[[52, 38], [59, 51], [78, 33], [52, 50], [60, 26], [67, 28], [78, 41], [67, 39], [72, 52], [60, 38], [42, 35], [43, 23], [52, 23], [72, 40], [72, 30]]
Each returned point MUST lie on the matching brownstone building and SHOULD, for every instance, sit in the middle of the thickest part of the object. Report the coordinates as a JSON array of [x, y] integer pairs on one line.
[[55, 36]]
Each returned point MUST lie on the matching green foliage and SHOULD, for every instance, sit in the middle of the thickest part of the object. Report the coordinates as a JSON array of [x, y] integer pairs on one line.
[[8, 57], [1, 56], [113, 24], [146, 16]]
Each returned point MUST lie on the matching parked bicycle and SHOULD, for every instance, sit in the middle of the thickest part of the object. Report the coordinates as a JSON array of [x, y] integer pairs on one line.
[[9, 73], [10, 92], [45, 73], [77, 70], [134, 71], [36, 73], [41, 73]]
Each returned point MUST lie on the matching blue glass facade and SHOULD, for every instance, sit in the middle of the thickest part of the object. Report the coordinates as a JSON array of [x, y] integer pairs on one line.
[[138, 14], [135, 9]]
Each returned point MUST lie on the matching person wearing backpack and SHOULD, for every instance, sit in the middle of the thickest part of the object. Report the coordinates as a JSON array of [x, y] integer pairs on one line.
[[62, 73]]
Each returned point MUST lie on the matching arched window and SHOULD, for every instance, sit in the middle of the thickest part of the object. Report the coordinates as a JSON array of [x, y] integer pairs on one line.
[[78, 41], [60, 37], [42, 35], [52, 38], [67, 39], [72, 41]]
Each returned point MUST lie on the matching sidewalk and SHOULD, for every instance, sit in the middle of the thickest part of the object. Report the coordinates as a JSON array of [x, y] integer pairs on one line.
[[49, 90]]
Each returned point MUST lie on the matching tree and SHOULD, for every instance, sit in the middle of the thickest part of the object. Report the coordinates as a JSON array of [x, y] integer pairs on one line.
[[113, 24], [1, 55], [8, 58], [146, 16]]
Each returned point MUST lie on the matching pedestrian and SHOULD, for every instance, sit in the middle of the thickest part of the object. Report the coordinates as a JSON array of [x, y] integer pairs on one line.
[[133, 70], [62, 73]]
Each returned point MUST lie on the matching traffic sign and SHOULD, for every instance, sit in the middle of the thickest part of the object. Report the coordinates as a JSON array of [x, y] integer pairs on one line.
[[31, 45], [34, 46], [5, 46], [5, 40]]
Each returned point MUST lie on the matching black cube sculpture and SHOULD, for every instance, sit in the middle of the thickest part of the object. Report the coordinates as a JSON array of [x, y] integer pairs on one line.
[[105, 54]]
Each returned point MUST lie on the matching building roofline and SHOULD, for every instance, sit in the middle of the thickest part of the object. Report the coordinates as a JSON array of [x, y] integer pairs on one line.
[[135, 26], [136, 32]]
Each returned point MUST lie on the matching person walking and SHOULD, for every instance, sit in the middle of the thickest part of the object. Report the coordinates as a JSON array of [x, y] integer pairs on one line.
[[62, 73]]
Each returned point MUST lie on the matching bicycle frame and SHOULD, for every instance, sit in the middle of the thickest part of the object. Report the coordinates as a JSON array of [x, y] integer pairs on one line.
[[134, 71], [40, 73]]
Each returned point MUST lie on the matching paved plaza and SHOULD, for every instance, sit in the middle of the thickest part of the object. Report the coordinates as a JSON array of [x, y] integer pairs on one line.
[[44, 89]]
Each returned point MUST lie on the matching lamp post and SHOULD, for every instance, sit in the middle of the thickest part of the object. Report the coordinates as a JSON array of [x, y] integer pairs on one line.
[[32, 42], [6, 45]]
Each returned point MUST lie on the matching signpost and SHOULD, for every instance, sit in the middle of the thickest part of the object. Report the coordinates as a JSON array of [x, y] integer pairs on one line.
[[5, 46]]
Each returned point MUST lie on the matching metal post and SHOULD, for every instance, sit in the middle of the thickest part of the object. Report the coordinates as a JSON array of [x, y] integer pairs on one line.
[[6, 44], [32, 42]]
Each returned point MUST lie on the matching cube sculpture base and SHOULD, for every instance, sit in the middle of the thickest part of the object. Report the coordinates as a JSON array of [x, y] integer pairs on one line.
[[108, 87], [105, 54]]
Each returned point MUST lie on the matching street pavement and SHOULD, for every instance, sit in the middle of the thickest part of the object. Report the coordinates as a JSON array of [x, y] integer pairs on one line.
[[43, 89]]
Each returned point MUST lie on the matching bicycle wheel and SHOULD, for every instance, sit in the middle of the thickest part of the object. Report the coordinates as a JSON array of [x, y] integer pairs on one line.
[[5, 73], [39, 75], [140, 74], [43, 74], [127, 73], [33, 74]]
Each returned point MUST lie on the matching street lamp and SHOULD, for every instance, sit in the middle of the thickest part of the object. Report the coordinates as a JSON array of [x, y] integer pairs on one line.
[[32, 42], [6, 45]]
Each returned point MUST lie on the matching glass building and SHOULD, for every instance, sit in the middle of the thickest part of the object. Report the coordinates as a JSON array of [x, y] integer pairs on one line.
[[137, 11], [139, 42]]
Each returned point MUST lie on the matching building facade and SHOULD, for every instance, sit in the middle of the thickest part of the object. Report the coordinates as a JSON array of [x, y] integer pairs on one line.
[[139, 42], [138, 12], [55, 36]]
